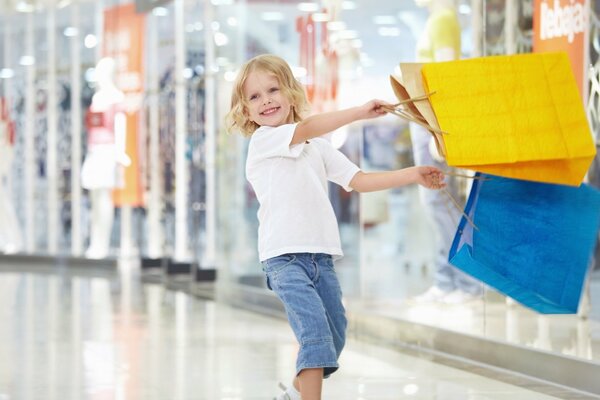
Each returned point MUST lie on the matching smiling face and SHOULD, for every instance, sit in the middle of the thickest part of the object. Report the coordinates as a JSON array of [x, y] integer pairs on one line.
[[266, 102]]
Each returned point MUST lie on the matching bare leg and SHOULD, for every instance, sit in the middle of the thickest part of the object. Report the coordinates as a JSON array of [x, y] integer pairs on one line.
[[310, 382]]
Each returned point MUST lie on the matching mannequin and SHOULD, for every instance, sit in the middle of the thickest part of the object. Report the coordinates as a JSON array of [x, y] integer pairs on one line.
[[10, 233], [105, 156], [441, 42]]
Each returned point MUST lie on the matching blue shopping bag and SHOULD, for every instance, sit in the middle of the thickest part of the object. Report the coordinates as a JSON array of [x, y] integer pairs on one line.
[[533, 241]]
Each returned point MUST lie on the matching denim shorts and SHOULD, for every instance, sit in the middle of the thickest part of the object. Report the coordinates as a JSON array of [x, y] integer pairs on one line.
[[307, 285]]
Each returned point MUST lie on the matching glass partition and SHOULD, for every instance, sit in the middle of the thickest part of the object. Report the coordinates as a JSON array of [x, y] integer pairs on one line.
[[388, 239]]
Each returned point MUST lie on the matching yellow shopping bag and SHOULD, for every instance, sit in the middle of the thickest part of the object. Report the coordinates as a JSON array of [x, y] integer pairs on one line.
[[516, 116]]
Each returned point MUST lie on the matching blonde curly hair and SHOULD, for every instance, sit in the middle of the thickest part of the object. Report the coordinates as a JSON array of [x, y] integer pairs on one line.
[[237, 117]]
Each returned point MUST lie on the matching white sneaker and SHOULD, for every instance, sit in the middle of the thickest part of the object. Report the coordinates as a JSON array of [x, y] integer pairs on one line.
[[459, 297], [288, 393], [433, 294]]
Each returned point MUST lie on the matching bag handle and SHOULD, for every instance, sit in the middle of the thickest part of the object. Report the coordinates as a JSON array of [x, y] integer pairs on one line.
[[407, 114]]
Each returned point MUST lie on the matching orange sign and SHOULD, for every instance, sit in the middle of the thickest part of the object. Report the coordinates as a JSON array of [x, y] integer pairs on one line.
[[560, 25], [123, 41]]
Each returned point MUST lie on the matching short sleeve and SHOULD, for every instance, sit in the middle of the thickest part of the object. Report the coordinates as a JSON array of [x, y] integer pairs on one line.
[[268, 142], [338, 167]]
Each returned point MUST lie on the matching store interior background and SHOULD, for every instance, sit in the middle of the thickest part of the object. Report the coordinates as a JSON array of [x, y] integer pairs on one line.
[[388, 245]]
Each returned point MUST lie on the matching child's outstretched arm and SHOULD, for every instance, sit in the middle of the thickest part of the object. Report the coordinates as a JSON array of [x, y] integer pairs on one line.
[[320, 124], [429, 177]]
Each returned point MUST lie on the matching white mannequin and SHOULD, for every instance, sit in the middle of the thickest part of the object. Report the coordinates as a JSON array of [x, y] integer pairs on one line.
[[10, 233], [105, 156], [440, 41]]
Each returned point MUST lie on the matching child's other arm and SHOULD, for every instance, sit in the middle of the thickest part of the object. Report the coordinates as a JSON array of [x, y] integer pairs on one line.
[[320, 124], [429, 177]]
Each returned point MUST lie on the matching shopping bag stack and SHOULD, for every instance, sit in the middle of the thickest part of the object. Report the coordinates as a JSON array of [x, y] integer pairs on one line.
[[530, 224]]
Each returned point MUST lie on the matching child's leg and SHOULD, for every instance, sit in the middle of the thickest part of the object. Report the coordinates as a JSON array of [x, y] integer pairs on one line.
[[293, 278], [330, 292], [311, 383]]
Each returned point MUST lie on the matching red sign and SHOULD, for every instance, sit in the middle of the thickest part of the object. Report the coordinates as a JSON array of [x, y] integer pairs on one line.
[[5, 118]]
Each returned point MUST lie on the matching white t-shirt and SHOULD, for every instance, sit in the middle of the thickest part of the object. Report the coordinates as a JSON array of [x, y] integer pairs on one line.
[[290, 182]]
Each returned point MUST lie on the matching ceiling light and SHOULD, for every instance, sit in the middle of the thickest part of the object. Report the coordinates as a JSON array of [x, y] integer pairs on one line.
[[27, 61], [221, 39], [336, 25], [384, 20], [187, 73], [90, 41], [271, 16], [308, 7], [6, 73], [160, 11], [24, 7], [320, 17], [70, 31], [299, 72], [388, 31], [348, 5]]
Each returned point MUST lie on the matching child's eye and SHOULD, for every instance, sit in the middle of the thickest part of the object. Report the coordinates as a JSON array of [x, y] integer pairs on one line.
[[273, 89], [253, 97]]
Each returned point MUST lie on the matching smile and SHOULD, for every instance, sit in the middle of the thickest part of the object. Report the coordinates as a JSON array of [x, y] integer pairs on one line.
[[270, 111]]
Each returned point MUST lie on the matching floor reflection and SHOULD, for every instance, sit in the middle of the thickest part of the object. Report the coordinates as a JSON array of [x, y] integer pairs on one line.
[[396, 264], [69, 336]]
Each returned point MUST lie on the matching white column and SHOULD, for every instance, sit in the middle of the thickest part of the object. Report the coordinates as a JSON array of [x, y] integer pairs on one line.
[[181, 169], [477, 24], [510, 27], [13, 223], [210, 142], [7, 61], [99, 29], [127, 246], [155, 237], [52, 117], [76, 242], [586, 52], [8, 96], [29, 133]]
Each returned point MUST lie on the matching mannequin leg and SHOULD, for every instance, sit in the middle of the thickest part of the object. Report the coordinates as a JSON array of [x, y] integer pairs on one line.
[[444, 217], [4, 234], [102, 215], [10, 232]]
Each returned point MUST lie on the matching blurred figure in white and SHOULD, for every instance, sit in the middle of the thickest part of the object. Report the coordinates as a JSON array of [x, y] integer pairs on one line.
[[10, 233], [441, 42], [105, 158]]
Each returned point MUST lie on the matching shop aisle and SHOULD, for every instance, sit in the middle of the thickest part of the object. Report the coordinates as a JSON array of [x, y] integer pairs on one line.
[[72, 333]]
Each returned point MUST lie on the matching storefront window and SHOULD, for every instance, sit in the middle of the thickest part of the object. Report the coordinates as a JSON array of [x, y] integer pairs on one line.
[[391, 248]]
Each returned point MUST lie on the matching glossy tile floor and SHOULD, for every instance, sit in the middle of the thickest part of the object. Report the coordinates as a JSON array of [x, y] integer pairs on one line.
[[72, 333]]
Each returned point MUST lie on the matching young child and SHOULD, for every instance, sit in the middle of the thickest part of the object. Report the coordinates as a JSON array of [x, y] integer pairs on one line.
[[288, 166]]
